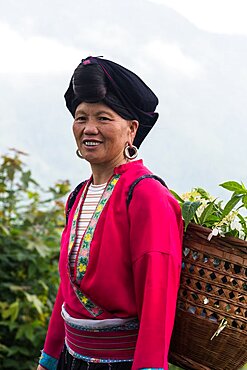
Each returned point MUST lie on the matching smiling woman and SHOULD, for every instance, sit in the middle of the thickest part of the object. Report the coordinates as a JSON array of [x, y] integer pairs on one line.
[[101, 134], [119, 264]]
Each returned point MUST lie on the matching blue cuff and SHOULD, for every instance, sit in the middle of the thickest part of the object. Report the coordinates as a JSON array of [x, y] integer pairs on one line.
[[50, 363], [152, 368]]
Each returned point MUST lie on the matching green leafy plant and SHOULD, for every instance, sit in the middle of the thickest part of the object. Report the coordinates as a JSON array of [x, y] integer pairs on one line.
[[31, 220], [224, 219]]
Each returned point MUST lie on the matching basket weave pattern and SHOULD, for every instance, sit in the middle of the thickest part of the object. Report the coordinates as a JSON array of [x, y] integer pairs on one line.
[[213, 287]]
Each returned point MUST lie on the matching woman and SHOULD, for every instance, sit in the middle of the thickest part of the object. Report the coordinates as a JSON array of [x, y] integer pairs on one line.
[[119, 264]]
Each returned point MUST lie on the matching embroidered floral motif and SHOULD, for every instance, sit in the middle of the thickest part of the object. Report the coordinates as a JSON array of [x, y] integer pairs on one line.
[[84, 250], [88, 304]]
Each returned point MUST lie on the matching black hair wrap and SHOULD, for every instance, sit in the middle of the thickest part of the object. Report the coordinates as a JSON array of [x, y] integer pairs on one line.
[[101, 80]]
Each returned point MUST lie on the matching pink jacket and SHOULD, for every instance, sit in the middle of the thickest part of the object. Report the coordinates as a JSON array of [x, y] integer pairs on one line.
[[132, 268]]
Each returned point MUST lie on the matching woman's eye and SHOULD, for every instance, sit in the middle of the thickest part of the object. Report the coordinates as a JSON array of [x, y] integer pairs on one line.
[[103, 118], [80, 119]]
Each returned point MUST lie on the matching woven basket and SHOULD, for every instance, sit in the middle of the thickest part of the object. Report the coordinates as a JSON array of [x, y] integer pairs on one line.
[[213, 287]]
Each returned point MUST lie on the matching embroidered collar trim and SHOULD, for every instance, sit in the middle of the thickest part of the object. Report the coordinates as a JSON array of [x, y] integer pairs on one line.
[[83, 253]]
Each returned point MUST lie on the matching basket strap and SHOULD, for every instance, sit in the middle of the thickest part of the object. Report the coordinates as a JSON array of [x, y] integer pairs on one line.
[[72, 198]]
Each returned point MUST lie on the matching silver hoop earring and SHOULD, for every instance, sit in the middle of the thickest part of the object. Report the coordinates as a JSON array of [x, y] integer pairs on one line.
[[78, 153], [130, 152]]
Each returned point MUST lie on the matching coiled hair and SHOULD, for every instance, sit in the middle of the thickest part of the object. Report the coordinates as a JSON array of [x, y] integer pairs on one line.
[[90, 85]]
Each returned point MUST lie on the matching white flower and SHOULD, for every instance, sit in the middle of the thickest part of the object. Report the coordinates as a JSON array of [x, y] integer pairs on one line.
[[215, 232], [236, 225], [242, 235]]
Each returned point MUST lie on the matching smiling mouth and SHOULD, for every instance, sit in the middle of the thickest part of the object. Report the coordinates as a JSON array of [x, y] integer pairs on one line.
[[89, 143]]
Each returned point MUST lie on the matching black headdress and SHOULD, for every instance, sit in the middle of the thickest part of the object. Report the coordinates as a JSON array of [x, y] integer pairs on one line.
[[123, 91]]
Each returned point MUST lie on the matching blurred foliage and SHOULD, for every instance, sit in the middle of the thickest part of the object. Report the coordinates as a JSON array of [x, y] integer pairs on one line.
[[31, 220]]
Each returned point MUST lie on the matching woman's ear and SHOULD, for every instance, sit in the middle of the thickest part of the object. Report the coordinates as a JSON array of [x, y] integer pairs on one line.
[[134, 124]]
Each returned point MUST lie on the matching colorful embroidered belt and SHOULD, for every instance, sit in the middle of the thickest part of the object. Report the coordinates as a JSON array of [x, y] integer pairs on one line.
[[111, 340]]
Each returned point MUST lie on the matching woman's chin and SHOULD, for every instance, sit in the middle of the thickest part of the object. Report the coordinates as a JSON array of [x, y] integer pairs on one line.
[[93, 159]]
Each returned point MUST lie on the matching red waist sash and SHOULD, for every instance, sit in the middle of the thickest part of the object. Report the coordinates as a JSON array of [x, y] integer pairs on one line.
[[101, 343]]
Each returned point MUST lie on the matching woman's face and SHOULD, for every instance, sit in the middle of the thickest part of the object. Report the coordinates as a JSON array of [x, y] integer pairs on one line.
[[101, 134]]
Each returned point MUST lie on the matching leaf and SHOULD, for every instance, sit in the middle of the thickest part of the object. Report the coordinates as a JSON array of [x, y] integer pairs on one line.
[[5, 230], [32, 298], [16, 288], [243, 223], [11, 173], [25, 178], [211, 220], [3, 348], [245, 201], [15, 308], [3, 306], [12, 311], [33, 195], [230, 205], [234, 186], [29, 332], [204, 194], [207, 212], [189, 211], [42, 249], [176, 196], [44, 285], [234, 233]]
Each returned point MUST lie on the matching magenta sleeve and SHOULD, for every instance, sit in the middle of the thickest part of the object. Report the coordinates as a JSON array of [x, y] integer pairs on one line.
[[55, 335], [156, 245], [156, 286]]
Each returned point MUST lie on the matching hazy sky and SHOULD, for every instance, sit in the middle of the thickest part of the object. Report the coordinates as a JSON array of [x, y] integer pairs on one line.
[[192, 53]]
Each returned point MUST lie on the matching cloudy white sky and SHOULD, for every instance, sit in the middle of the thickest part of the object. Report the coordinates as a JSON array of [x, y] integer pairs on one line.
[[192, 53]]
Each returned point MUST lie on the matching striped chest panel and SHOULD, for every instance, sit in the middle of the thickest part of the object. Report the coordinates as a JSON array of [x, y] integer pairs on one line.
[[91, 201]]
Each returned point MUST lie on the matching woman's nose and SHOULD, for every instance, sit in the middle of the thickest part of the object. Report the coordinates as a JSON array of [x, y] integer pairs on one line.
[[91, 127]]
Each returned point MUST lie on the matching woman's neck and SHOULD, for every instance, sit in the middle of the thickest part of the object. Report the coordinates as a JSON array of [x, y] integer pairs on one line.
[[103, 172]]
